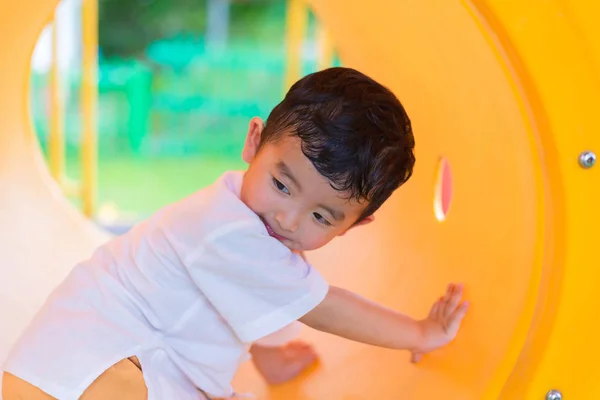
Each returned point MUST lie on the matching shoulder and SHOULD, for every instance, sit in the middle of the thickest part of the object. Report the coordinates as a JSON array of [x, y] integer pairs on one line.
[[212, 211]]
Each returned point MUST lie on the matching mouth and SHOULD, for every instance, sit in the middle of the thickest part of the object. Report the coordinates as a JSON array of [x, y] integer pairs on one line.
[[272, 233]]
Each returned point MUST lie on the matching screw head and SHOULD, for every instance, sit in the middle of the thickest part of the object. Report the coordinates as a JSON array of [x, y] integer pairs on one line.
[[554, 395], [587, 159]]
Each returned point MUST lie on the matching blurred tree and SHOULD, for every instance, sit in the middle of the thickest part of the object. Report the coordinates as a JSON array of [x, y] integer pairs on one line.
[[127, 27]]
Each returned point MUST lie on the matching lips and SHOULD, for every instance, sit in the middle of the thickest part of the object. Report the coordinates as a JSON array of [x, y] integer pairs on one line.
[[272, 233]]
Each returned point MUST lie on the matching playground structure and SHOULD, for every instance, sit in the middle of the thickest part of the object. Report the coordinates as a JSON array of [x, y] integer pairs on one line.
[[503, 94]]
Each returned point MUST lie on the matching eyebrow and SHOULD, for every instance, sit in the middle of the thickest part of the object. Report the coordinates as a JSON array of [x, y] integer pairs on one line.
[[285, 170]]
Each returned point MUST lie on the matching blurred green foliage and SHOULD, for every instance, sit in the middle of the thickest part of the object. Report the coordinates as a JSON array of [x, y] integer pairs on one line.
[[128, 27]]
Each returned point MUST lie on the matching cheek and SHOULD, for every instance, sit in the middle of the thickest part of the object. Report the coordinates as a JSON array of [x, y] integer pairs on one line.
[[314, 238], [260, 197]]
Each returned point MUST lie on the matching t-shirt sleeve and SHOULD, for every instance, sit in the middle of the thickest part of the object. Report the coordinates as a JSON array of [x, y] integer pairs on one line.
[[282, 336], [255, 283]]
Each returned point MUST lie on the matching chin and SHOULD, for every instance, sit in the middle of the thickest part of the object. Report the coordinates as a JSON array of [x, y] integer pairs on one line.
[[292, 247]]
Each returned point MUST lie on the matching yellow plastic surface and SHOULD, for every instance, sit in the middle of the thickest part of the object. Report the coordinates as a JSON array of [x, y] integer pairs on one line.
[[508, 93]]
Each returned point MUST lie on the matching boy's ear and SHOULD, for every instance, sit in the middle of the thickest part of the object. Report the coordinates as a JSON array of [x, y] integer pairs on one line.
[[363, 221], [366, 220], [255, 128]]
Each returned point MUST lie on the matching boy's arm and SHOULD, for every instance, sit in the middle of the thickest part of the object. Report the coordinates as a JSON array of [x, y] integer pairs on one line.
[[348, 315]]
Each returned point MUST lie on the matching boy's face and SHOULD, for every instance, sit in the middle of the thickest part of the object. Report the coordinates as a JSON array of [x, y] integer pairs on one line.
[[297, 204]]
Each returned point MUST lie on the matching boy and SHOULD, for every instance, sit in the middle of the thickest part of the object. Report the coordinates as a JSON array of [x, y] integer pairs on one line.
[[188, 293]]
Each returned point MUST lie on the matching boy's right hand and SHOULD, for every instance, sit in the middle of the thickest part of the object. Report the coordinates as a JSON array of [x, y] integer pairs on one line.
[[353, 317], [443, 322]]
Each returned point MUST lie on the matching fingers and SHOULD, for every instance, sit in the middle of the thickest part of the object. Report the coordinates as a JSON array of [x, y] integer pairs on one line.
[[451, 310], [435, 309], [449, 291], [416, 357], [455, 319], [452, 299]]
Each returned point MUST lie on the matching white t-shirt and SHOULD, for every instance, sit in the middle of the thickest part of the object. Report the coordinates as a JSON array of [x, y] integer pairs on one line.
[[186, 291]]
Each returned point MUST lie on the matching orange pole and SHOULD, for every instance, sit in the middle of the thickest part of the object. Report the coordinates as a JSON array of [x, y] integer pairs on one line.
[[89, 101], [296, 26], [325, 44], [56, 137]]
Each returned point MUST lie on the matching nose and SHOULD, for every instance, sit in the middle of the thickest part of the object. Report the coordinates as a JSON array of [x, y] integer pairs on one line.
[[288, 220]]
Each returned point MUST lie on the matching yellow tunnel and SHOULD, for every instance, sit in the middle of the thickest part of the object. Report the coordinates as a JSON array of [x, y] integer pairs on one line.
[[506, 94]]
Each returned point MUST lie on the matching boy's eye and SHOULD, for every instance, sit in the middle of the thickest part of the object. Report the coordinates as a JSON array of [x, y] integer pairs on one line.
[[281, 186], [321, 219]]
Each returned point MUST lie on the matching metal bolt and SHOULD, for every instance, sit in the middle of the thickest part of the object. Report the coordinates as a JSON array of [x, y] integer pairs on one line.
[[554, 395], [587, 159]]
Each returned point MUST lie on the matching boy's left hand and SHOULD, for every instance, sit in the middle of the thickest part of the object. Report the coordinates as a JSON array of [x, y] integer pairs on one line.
[[443, 322], [283, 363]]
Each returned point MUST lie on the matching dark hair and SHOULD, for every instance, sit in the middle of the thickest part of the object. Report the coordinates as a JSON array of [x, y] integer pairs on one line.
[[354, 131]]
